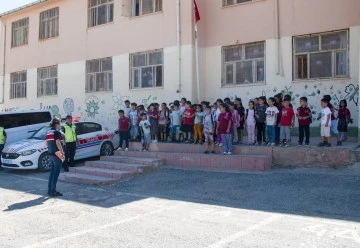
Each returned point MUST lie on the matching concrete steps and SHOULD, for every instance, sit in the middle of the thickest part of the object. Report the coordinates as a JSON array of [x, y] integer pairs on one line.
[[110, 170]]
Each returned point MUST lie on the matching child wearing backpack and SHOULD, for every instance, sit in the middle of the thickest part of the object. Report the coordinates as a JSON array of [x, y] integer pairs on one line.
[[303, 113], [250, 123], [209, 128]]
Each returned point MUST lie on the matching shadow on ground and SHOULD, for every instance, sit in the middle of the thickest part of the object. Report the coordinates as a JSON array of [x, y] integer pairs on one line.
[[324, 193]]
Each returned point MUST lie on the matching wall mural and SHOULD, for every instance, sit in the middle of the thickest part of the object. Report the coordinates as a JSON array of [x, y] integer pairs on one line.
[[92, 106], [68, 106]]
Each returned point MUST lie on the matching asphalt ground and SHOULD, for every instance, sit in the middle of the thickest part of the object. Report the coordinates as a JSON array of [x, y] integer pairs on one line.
[[176, 208]]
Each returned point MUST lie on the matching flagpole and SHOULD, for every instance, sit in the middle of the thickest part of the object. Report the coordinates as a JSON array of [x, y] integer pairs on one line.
[[197, 63]]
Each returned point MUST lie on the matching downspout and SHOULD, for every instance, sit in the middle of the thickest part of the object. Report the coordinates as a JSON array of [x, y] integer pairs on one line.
[[178, 44], [277, 38], [4, 67]]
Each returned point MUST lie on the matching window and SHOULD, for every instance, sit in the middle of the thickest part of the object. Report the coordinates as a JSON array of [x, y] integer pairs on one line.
[[18, 85], [143, 7], [233, 2], [146, 69], [49, 23], [20, 32], [321, 55], [48, 81], [244, 64], [100, 12], [87, 127], [24, 119], [99, 75]]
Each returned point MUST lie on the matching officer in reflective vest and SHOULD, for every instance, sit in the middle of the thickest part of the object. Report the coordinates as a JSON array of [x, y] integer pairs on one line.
[[69, 130], [2, 141]]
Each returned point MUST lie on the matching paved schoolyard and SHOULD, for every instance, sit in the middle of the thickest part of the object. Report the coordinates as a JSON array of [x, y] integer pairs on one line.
[[174, 208]]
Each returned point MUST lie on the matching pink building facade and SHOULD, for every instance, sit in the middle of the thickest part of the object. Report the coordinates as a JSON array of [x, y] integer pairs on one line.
[[86, 57]]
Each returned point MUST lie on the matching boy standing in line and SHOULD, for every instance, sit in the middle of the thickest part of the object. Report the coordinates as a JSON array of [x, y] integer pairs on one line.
[[133, 116], [333, 126], [124, 126], [145, 132], [325, 123], [188, 121], [287, 121], [271, 117], [209, 129], [176, 121], [304, 116], [127, 108], [260, 117]]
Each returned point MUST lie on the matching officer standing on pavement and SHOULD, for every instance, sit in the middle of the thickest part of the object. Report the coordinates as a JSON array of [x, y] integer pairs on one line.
[[69, 130], [2, 141]]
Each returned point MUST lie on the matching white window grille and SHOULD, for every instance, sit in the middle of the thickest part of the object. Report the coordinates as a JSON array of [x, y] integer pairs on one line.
[[146, 69], [100, 12], [20, 32], [144, 7], [99, 75], [244, 64], [233, 2], [18, 85], [49, 23], [322, 55], [48, 81]]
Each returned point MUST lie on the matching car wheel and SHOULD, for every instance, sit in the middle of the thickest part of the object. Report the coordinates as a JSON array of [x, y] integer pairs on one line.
[[44, 163], [106, 149]]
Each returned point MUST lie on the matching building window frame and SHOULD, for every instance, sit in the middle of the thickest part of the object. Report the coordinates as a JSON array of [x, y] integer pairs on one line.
[[20, 32], [137, 7], [98, 7], [305, 61], [233, 69], [144, 65], [227, 3], [18, 85], [99, 75], [47, 81], [49, 23]]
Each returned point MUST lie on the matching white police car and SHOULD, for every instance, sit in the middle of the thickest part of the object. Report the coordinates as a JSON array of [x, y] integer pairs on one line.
[[32, 153]]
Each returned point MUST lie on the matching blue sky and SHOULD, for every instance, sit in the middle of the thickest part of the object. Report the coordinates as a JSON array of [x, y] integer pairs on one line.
[[6, 5]]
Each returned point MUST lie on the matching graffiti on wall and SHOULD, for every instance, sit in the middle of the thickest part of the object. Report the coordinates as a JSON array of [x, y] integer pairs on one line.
[[92, 106], [69, 106]]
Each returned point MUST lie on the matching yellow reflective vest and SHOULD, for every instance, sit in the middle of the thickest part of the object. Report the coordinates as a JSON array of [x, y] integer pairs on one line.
[[70, 133], [2, 136]]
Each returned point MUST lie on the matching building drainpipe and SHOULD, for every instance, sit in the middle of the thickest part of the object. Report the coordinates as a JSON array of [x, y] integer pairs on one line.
[[178, 44], [4, 67], [277, 37]]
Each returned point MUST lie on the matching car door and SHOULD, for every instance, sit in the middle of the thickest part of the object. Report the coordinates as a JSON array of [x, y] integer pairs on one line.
[[89, 139]]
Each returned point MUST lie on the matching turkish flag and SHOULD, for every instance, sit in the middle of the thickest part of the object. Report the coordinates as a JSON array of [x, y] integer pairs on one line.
[[196, 12]]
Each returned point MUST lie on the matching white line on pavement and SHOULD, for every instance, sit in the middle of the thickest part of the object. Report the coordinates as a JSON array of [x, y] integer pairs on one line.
[[231, 238], [80, 233]]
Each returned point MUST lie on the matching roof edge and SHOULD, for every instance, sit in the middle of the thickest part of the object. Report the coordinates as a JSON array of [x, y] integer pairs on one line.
[[23, 7]]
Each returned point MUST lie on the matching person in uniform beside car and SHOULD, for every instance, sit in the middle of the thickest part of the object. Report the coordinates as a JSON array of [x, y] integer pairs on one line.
[[53, 142], [2, 141], [69, 130]]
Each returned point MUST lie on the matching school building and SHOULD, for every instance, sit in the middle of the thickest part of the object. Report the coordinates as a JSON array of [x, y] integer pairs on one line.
[[86, 57]]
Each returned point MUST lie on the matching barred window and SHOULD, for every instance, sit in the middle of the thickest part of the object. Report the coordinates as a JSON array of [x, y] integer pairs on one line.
[[20, 32], [18, 85], [143, 7], [146, 69], [233, 2], [99, 75], [244, 64], [48, 81], [100, 12], [322, 55], [49, 23]]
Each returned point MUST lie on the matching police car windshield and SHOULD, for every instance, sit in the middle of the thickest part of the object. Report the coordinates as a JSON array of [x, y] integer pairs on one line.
[[40, 134]]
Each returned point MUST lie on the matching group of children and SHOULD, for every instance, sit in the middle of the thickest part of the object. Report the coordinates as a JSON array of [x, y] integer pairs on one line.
[[223, 122]]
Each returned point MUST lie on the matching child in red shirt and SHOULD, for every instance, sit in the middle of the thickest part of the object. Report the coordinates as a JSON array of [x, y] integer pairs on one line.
[[287, 121], [304, 116], [225, 128], [188, 121], [343, 120], [124, 125]]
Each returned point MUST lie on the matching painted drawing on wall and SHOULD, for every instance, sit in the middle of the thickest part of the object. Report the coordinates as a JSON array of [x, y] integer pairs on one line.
[[55, 111], [92, 106], [119, 101], [68, 106]]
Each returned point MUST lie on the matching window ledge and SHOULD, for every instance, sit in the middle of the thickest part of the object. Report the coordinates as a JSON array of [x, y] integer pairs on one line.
[[24, 45], [18, 99], [148, 88], [50, 96], [50, 38], [99, 92], [238, 4], [320, 80], [100, 25], [150, 14], [241, 85]]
